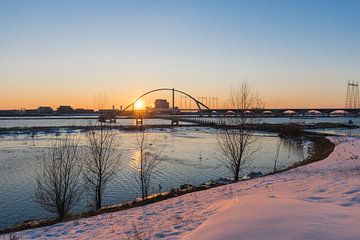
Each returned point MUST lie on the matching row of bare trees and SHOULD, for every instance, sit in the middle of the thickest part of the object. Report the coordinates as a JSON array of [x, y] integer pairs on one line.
[[64, 173], [69, 169]]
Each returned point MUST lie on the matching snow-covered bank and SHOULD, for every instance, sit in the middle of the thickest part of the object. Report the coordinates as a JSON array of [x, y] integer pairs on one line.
[[316, 201]]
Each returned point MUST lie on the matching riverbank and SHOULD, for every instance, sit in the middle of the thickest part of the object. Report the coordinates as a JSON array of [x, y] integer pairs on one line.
[[321, 148], [318, 200]]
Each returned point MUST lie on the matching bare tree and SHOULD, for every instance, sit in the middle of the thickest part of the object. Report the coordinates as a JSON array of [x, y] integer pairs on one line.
[[259, 103], [146, 162], [58, 184], [101, 101], [278, 146], [101, 161], [236, 139]]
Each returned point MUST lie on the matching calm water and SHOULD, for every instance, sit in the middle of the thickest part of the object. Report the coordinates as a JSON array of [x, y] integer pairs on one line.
[[77, 121], [6, 122], [190, 156]]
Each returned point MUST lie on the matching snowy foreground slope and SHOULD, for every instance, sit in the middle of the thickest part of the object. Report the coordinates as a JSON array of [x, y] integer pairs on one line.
[[317, 201]]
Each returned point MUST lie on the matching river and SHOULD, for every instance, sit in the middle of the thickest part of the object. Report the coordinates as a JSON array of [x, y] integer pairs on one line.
[[190, 156]]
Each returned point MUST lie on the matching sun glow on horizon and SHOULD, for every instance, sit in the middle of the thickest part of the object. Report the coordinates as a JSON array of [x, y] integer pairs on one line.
[[139, 105]]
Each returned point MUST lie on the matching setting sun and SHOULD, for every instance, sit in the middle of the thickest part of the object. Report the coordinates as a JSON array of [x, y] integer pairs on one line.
[[139, 105]]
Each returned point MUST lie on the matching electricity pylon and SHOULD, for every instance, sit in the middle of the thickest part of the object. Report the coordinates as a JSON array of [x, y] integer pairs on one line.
[[352, 95]]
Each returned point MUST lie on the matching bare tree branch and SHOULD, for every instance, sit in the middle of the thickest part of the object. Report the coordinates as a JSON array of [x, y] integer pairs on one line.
[[101, 161], [278, 147], [238, 144], [59, 183], [146, 162]]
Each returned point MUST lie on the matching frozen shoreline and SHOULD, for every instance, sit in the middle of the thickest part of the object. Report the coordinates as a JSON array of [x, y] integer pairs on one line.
[[317, 201], [321, 199]]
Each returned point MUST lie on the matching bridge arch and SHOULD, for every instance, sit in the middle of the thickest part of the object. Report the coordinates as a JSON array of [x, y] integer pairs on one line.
[[173, 90]]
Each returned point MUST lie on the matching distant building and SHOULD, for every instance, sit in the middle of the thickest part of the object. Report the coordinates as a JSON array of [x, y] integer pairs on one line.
[[45, 110], [9, 112], [161, 104], [65, 110]]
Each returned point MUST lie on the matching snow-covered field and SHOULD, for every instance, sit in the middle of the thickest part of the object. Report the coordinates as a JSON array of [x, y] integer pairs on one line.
[[317, 201]]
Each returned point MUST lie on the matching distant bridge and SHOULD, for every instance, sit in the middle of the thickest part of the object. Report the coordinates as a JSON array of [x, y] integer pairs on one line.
[[266, 112], [172, 90], [288, 111], [202, 110]]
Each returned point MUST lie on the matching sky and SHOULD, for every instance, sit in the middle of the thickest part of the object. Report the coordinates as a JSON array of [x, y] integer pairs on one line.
[[294, 53]]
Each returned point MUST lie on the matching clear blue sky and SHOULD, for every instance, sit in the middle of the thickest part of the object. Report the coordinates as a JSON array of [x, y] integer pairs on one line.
[[296, 53]]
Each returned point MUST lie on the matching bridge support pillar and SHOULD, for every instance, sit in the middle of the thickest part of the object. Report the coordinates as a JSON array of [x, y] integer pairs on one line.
[[139, 121], [112, 119], [174, 122]]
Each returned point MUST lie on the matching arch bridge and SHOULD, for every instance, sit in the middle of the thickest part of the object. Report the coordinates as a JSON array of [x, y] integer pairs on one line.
[[199, 104], [267, 112]]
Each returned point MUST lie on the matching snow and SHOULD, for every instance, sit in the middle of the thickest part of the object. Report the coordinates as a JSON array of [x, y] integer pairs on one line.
[[316, 201]]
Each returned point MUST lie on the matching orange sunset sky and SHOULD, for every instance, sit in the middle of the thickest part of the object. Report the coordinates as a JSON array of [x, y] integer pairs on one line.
[[64, 53]]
